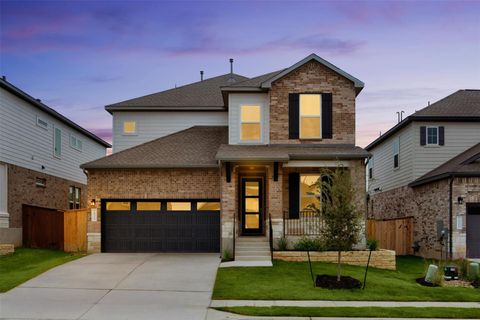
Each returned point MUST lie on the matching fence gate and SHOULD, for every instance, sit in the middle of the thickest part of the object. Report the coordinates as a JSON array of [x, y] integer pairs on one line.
[[393, 234]]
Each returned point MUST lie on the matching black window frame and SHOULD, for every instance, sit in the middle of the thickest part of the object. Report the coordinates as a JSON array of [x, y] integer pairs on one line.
[[73, 201]]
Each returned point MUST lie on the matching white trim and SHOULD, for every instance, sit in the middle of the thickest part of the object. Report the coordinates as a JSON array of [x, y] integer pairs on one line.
[[4, 190], [317, 163], [426, 136], [38, 120]]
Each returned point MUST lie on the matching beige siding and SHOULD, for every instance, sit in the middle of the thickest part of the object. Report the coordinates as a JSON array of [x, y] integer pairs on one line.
[[385, 176], [154, 124], [459, 136], [24, 144], [238, 99]]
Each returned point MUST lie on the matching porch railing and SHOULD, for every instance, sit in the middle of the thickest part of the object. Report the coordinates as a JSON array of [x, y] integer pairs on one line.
[[309, 223]]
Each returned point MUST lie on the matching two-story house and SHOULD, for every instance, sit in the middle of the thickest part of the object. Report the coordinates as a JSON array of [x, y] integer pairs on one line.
[[40, 156], [427, 167], [237, 158]]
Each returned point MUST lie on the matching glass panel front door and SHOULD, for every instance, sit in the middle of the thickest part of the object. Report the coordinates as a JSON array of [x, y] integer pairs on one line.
[[251, 206]]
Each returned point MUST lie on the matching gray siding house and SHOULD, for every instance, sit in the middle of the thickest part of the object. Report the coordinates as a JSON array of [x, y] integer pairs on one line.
[[411, 151], [40, 156]]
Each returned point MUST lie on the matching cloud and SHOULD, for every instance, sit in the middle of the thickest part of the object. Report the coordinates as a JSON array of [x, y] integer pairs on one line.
[[104, 133]]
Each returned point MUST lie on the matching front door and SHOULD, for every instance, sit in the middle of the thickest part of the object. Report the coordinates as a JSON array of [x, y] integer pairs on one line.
[[473, 225], [251, 206]]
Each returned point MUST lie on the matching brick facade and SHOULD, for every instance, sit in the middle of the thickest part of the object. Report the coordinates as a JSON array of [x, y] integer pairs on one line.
[[22, 190], [314, 77], [427, 204], [147, 184]]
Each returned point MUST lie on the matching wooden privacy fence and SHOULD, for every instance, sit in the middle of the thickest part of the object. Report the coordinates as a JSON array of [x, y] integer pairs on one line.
[[55, 229], [393, 234]]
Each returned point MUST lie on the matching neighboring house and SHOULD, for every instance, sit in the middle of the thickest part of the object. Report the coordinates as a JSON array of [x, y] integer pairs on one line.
[[427, 166], [40, 156], [239, 157]]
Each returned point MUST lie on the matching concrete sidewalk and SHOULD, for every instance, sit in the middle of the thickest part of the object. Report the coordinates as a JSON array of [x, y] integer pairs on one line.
[[325, 303], [219, 315]]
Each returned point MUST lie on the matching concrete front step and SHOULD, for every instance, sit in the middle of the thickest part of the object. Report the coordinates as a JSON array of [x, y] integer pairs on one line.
[[253, 248], [253, 258], [252, 239], [253, 253]]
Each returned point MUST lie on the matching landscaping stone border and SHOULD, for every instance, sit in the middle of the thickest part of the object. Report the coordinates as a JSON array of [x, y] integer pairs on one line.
[[382, 259], [6, 249]]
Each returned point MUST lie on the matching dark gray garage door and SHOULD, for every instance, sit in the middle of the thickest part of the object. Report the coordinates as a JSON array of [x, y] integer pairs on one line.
[[160, 226], [473, 227]]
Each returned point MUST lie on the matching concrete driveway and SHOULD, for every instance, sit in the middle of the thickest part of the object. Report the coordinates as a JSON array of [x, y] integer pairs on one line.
[[118, 286]]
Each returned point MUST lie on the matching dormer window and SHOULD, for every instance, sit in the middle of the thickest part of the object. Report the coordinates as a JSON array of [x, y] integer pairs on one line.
[[310, 120], [250, 127], [432, 135], [129, 127]]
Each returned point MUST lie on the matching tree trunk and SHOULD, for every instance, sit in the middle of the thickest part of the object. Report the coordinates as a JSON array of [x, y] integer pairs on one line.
[[339, 265]]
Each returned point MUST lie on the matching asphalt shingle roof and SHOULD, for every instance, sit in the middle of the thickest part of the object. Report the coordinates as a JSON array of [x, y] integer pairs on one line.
[[255, 82], [285, 152], [201, 95], [191, 148], [466, 163], [463, 105]]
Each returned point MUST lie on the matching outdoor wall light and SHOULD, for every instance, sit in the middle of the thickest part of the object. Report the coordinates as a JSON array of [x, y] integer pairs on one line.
[[92, 203], [460, 200]]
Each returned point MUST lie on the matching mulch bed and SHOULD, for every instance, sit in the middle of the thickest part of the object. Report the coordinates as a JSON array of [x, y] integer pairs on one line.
[[330, 282], [422, 282]]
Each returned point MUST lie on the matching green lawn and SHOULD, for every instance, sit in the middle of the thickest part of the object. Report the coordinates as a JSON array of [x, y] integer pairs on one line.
[[292, 281], [25, 264], [366, 312]]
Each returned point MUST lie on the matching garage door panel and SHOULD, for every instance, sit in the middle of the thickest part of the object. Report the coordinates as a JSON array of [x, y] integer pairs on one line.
[[160, 231]]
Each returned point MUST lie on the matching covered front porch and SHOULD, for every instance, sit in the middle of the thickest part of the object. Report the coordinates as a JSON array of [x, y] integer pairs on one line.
[[269, 200]]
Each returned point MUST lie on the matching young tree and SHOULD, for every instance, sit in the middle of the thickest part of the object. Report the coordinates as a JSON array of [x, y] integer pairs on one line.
[[341, 227]]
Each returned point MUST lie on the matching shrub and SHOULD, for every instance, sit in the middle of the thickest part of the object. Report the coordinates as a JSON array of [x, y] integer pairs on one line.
[[227, 255], [372, 244], [309, 244], [463, 265], [282, 244]]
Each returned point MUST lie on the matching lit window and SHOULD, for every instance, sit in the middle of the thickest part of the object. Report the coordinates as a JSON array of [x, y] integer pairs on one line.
[[148, 206], [396, 152], [250, 123], [74, 195], [129, 127], [179, 206], [208, 206], [309, 193], [118, 206], [432, 135], [310, 122], [75, 143]]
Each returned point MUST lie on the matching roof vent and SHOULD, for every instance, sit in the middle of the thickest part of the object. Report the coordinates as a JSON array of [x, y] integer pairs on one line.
[[231, 79], [4, 78], [201, 75], [38, 100], [231, 65]]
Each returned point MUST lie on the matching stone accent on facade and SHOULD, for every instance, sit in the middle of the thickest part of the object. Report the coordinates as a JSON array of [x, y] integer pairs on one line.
[[4, 220], [147, 184], [22, 189], [6, 249], [382, 259], [314, 77], [428, 204]]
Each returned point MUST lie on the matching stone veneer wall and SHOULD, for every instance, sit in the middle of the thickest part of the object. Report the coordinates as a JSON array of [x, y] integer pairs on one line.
[[382, 259], [6, 249], [147, 184], [314, 77], [427, 204], [22, 190]]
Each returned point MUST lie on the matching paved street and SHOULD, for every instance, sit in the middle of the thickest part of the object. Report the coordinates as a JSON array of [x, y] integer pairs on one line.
[[118, 286]]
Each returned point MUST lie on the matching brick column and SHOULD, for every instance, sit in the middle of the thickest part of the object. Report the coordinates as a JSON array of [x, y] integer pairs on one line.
[[275, 202], [229, 201]]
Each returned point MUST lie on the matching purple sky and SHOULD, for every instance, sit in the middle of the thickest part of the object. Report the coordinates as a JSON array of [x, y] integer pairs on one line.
[[80, 56]]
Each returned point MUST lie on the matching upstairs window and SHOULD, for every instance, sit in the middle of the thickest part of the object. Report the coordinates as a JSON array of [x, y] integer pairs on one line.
[[57, 143], [432, 135], [370, 168], [250, 127], [396, 152], [74, 194], [76, 143], [129, 127], [310, 120]]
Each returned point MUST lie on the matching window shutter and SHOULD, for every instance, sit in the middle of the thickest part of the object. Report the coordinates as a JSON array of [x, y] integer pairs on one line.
[[327, 116], [293, 195], [441, 136], [423, 136], [293, 115]]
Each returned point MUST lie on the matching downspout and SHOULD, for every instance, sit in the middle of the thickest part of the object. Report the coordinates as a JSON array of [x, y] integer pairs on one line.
[[450, 218]]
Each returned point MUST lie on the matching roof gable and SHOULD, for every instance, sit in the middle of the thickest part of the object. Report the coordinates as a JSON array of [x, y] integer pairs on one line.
[[357, 83]]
